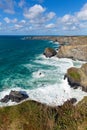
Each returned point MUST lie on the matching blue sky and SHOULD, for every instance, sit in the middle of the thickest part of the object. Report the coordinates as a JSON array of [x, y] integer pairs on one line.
[[43, 17]]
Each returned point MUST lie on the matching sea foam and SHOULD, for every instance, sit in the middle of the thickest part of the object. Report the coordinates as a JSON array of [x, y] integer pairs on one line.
[[48, 82]]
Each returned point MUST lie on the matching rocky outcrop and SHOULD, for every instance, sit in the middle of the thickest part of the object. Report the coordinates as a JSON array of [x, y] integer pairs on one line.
[[49, 52], [15, 96], [78, 77], [78, 52]]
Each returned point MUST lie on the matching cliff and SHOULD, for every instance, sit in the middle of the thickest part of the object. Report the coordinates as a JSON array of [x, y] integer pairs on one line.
[[75, 52], [72, 40], [78, 77], [31, 115]]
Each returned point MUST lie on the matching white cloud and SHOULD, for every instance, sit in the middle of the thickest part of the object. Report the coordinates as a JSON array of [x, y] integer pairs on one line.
[[37, 16], [74, 22], [82, 14], [50, 15], [69, 28], [66, 18], [69, 19], [34, 11], [14, 20], [73, 28], [68, 22], [22, 21], [49, 26], [7, 20], [18, 26]]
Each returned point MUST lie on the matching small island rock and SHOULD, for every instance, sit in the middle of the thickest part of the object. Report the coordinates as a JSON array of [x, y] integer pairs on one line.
[[49, 52]]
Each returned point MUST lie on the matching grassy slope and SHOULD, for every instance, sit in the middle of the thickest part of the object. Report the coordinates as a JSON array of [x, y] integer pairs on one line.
[[31, 115]]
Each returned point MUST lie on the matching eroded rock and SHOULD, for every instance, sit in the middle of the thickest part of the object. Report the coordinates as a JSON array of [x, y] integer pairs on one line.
[[78, 77], [49, 52], [15, 96]]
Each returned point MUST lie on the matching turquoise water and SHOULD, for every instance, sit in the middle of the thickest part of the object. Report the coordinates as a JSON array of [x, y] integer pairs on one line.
[[15, 53], [21, 62]]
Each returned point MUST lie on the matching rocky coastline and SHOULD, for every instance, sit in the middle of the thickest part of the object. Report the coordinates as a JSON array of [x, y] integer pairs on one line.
[[76, 50], [32, 115], [71, 40], [77, 77]]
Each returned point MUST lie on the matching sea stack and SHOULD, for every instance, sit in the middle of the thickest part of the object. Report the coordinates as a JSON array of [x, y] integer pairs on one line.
[[49, 52]]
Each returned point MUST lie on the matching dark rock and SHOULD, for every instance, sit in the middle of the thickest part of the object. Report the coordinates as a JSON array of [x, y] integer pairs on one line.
[[49, 52], [73, 83], [73, 100], [15, 96], [5, 99], [65, 76]]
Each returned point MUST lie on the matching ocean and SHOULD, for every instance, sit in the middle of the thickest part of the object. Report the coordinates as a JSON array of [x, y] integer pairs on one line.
[[21, 62]]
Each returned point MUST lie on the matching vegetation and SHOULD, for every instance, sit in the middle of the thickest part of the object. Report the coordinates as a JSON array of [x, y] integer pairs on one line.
[[31, 115], [74, 74]]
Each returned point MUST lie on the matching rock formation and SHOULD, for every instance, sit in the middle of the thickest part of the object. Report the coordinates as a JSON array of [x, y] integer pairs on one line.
[[49, 52], [78, 77], [15, 96]]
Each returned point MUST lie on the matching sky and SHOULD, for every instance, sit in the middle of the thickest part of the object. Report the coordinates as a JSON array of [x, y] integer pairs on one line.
[[43, 17]]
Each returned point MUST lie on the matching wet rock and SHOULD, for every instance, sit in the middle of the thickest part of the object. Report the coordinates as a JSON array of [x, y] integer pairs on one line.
[[73, 100], [49, 52], [5, 99], [15, 96]]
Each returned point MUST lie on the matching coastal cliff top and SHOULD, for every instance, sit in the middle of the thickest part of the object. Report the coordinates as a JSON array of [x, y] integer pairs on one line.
[[73, 40]]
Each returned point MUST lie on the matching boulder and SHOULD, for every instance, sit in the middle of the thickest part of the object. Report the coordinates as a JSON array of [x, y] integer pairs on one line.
[[49, 52], [77, 77], [15, 96], [75, 52]]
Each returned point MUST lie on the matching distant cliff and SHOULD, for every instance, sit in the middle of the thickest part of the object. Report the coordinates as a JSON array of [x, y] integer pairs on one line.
[[74, 47], [73, 40]]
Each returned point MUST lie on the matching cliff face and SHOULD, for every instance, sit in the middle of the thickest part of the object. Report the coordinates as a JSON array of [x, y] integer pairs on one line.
[[78, 52], [73, 40]]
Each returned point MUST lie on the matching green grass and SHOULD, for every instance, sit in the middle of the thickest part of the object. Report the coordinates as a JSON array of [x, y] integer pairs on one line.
[[31, 115], [73, 74]]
